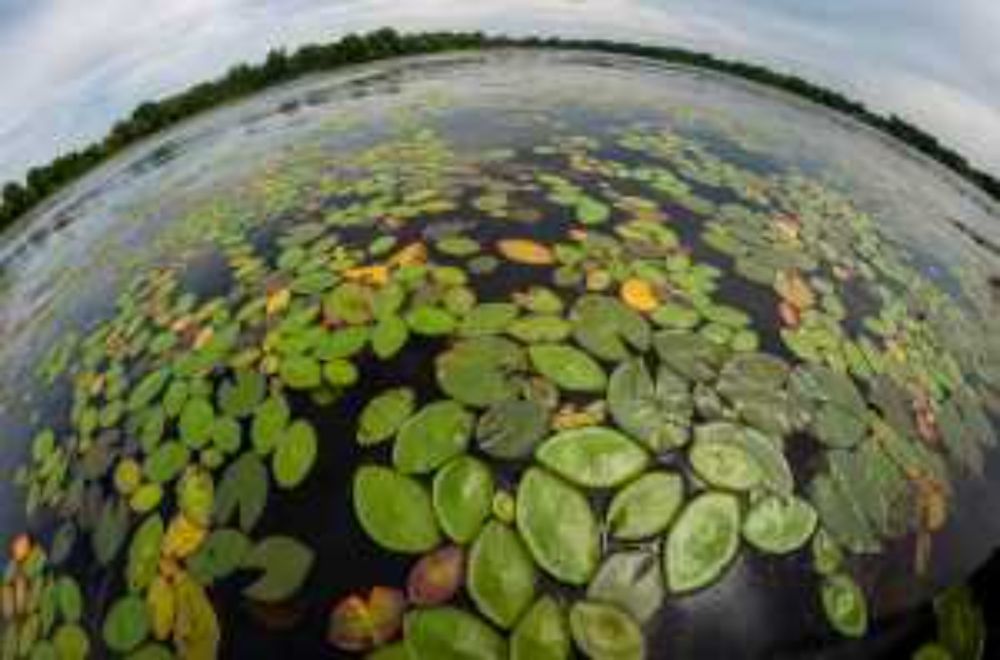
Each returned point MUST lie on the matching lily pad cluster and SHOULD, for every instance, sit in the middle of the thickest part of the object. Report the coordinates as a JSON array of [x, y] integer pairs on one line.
[[603, 421]]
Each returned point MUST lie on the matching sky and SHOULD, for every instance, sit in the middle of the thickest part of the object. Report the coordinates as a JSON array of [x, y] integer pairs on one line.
[[69, 69]]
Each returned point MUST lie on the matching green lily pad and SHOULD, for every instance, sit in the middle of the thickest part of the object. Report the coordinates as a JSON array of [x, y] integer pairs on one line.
[[431, 321], [448, 633], [593, 456], [110, 532], [632, 580], [350, 302], [512, 429], [501, 574], [539, 328], [241, 396], [294, 455], [221, 554], [389, 336], [300, 372], [269, 422], [777, 525], [69, 599], [71, 642], [384, 414], [395, 510], [775, 473], [148, 388], [657, 413], [602, 630], [646, 506], [542, 633], [285, 563], [844, 605], [126, 624], [724, 464], [569, 368], [690, 355], [196, 421], [606, 328], [488, 319], [462, 494], [144, 553], [196, 495], [558, 527], [703, 542], [482, 371], [438, 432], [243, 490]]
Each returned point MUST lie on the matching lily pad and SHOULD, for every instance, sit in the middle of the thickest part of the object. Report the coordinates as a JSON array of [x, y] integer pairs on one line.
[[196, 495], [770, 465], [463, 494], [294, 455], [689, 354], [501, 574], [703, 542], [777, 525], [300, 372], [196, 422], [395, 510], [126, 624], [482, 371], [632, 580], [602, 630], [389, 336], [438, 432], [359, 624], [219, 556], [269, 422], [724, 464], [646, 506], [448, 633], [431, 321], [241, 396], [512, 429], [569, 368], [558, 526], [384, 414], [243, 490], [488, 319], [542, 633], [285, 563], [593, 456], [144, 553], [606, 328], [110, 532], [844, 604], [657, 413], [436, 578]]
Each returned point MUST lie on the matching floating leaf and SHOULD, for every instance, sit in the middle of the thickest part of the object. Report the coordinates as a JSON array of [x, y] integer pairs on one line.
[[605, 327], [195, 423], [438, 432], [241, 396], [631, 580], [602, 630], [183, 537], [448, 633], [778, 525], [655, 413], [501, 574], [300, 372], [594, 456], [646, 506], [844, 604], [462, 495], [689, 354], [162, 607], [724, 464], [269, 422], [384, 414], [71, 642], [431, 321], [539, 328], [109, 535], [394, 510], [148, 388], [166, 463], [960, 623], [196, 495], [389, 336], [196, 627], [350, 302], [488, 319], [512, 429], [69, 599], [144, 553], [567, 367], [219, 556], [482, 371], [286, 563], [542, 633], [703, 542], [437, 576], [523, 251], [126, 624], [295, 455], [359, 624], [243, 489], [558, 526]]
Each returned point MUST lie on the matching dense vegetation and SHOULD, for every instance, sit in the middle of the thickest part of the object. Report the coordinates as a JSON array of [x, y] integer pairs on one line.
[[243, 79]]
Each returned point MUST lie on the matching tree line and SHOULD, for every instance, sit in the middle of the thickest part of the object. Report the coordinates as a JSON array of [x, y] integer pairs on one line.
[[18, 197]]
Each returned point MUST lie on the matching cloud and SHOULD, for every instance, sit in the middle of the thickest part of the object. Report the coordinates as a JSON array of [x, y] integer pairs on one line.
[[70, 68]]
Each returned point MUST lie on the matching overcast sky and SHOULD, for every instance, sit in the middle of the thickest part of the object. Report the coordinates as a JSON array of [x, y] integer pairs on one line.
[[70, 68]]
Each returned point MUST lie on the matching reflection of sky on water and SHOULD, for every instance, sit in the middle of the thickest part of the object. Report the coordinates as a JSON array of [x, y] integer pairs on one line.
[[70, 68]]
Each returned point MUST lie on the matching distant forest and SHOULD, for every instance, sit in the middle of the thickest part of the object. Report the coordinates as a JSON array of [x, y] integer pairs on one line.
[[279, 66]]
